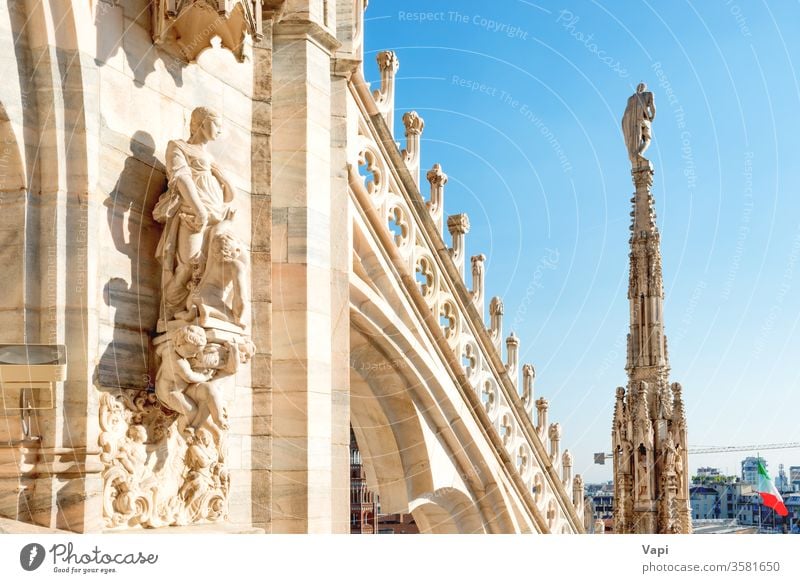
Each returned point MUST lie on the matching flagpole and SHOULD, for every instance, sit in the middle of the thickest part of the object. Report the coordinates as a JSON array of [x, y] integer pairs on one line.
[[758, 496]]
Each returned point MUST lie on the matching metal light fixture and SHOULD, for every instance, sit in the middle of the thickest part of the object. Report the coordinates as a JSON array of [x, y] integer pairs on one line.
[[28, 373]]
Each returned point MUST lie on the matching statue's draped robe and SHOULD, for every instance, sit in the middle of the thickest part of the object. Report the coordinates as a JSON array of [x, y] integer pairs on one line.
[[635, 114]]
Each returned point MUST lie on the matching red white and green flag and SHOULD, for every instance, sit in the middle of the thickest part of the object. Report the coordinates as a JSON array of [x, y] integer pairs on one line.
[[769, 493]]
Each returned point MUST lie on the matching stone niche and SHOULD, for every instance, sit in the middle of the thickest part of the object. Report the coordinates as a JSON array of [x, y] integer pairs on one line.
[[191, 26], [165, 448]]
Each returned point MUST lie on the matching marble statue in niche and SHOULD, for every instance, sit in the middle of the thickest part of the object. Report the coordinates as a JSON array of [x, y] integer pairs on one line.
[[165, 450]]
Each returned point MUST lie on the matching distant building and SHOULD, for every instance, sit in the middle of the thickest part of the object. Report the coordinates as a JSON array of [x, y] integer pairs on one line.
[[750, 469], [397, 524], [363, 511], [781, 481], [794, 478], [705, 501], [720, 503], [600, 502], [365, 507], [792, 502], [721, 527], [707, 472]]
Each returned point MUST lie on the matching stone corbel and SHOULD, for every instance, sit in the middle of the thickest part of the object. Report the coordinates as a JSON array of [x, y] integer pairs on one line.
[[191, 25]]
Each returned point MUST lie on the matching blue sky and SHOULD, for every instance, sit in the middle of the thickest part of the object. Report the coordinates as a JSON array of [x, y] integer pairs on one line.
[[522, 104]]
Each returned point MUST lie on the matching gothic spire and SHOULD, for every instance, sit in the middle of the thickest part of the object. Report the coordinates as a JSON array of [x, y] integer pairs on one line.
[[649, 428]]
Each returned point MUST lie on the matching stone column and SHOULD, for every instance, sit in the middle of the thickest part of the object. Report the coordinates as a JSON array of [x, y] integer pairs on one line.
[[308, 254], [261, 264]]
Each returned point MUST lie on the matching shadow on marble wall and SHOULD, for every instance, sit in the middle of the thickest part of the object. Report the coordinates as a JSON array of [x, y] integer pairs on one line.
[[128, 27], [131, 295]]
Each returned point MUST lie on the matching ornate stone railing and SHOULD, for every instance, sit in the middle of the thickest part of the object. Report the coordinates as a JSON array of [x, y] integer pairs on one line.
[[390, 180]]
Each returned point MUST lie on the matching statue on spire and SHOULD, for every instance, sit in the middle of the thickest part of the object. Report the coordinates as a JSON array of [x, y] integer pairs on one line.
[[636, 121]]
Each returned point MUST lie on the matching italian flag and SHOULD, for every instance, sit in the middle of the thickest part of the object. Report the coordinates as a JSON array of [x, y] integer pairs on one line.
[[769, 493]]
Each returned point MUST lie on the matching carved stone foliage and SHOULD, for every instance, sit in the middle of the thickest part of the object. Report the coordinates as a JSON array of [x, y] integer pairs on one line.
[[192, 25], [154, 475]]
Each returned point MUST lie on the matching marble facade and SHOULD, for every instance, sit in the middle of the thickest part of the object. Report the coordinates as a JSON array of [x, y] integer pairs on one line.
[[213, 386]]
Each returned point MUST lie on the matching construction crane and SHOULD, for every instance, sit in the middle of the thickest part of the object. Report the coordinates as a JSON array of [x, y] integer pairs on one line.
[[600, 458]]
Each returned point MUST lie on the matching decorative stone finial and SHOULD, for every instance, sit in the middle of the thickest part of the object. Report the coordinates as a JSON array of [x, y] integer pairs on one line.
[[528, 376], [388, 63], [477, 280], [512, 357], [566, 468], [496, 310], [414, 125], [554, 434], [541, 415], [435, 205], [458, 226], [577, 494]]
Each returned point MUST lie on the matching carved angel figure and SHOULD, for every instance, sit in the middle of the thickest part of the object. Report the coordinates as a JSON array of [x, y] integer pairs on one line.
[[176, 375], [223, 292], [201, 458]]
